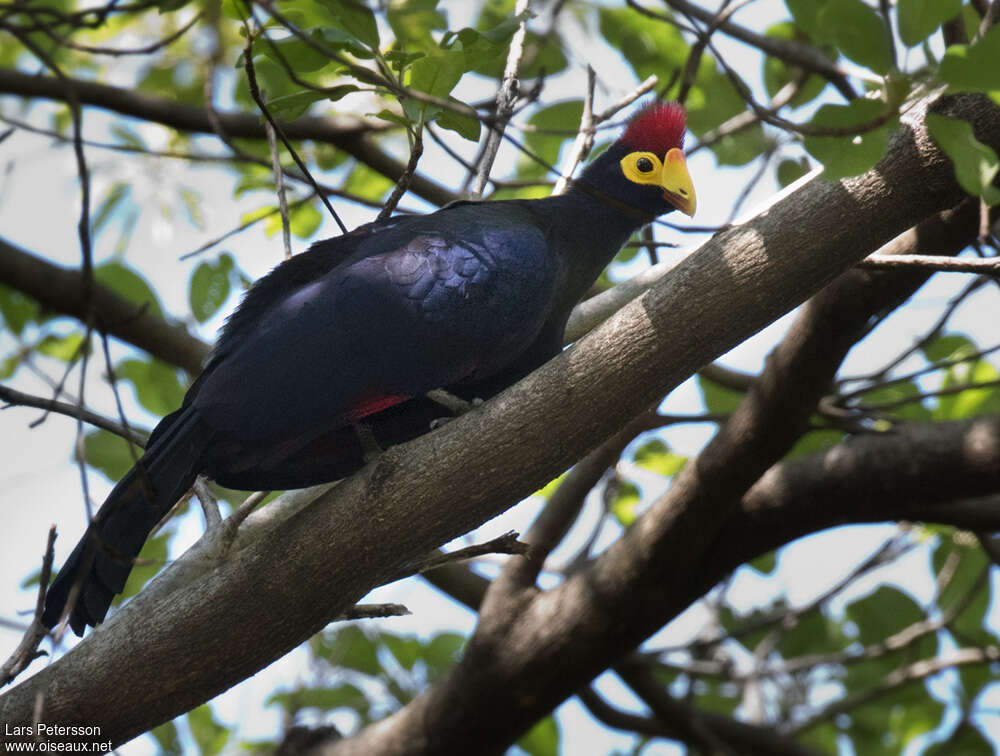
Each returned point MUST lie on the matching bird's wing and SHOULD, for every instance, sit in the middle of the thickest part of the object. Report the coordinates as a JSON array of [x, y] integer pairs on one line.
[[429, 303]]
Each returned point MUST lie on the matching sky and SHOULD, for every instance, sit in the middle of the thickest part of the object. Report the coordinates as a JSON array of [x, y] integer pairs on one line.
[[39, 485]]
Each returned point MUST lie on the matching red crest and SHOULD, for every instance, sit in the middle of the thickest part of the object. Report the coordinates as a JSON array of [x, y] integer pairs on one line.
[[657, 128]]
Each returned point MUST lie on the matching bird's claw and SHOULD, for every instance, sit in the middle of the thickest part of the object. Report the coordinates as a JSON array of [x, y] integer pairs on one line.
[[456, 404], [370, 450]]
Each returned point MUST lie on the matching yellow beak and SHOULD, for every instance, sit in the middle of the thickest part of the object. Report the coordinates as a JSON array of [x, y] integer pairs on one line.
[[676, 182]]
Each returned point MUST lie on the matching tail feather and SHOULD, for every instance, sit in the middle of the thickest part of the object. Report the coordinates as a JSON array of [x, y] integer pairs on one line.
[[102, 560]]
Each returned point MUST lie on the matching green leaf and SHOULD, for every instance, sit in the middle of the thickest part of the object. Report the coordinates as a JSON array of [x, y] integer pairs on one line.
[[63, 348], [962, 558], [210, 736], [442, 652], [463, 125], [790, 171], [740, 148], [814, 633], [193, 202], [880, 614], [778, 73], [116, 193], [914, 410], [353, 17], [910, 719], [765, 563], [252, 216], [542, 739], [167, 739], [303, 220], [17, 309], [128, 136], [718, 400], [108, 453], [844, 156], [656, 456], [296, 53], [289, 107], [806, 15], [918, 19], [550, 488], [823, 738], [324, 699], [349, 647], [713, 99], [412, 22], [966, 740], [859, 32], [970, 402], [976, 164], [815, 441], [210, 286], [438, 72], [625, 505], [126, 282], [974, 68], [367, 183], [150, 561], [562, 116], [948, 347], [157, 385], [649, 47], [542, 55], [406, 650]]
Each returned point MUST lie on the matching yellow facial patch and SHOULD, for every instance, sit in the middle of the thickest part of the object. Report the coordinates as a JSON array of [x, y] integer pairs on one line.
[[642, 167], [670, 173]]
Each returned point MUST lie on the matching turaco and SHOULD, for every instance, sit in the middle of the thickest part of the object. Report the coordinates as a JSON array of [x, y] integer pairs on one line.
[[358, 329]]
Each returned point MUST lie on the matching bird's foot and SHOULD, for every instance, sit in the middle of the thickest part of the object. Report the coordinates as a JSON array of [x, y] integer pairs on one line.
[[370, 449], [456, 404]]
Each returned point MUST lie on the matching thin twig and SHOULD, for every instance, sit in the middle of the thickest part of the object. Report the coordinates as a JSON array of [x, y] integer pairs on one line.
[[279, 188], [506, 97], [240, 228], [416, 150], [584, 137], [13, 398], [257, 98], [117, 51], [986, 266], [27, 650], [895, 680]]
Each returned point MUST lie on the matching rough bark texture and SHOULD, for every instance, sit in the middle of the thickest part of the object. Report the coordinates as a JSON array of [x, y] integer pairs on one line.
[[155, 662]]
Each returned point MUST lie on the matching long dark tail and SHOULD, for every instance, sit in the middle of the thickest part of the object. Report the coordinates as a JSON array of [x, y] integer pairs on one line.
[[102, 560]]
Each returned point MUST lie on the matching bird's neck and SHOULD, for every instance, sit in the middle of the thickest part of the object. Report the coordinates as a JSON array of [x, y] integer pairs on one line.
[[591, 231]]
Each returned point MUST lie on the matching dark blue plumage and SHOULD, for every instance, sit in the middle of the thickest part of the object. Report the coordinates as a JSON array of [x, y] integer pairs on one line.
[[360, 327]]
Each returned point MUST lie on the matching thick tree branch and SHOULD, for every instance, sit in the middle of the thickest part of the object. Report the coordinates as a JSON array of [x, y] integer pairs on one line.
[[349, 134], [62, 290], [597, 614], [323, 559]]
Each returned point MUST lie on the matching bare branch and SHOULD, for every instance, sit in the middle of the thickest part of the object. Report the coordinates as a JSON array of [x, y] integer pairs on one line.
[[14, 398], [986, 266], [506, 97], [27, 650], [349, 134]]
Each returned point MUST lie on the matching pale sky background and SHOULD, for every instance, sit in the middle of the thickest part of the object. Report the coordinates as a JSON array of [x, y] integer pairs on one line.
[[39, 484]]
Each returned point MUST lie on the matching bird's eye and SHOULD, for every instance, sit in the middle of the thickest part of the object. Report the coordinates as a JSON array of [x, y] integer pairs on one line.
[[644, 164]]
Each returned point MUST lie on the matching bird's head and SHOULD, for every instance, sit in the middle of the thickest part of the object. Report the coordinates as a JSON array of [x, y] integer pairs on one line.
[[646, 168]]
